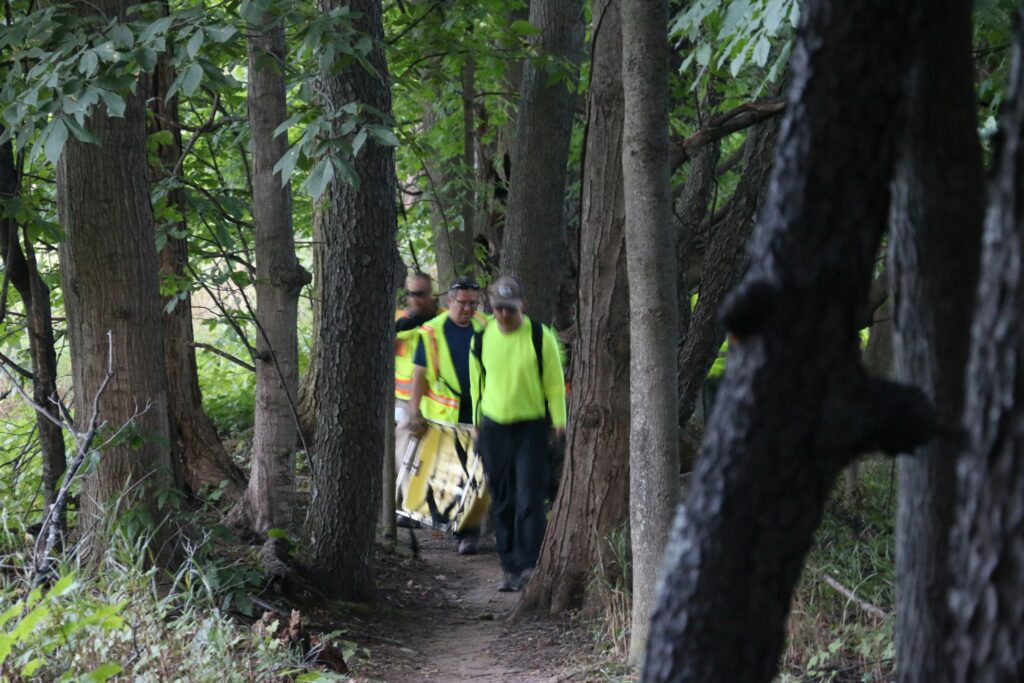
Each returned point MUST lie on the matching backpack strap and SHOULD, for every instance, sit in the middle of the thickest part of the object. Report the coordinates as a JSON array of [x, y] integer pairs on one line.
[[537, 334]]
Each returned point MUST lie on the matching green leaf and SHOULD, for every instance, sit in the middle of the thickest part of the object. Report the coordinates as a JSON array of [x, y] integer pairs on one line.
[[357, 142], [193, 76], [88, 63], [773, 16], [123, 36], [383, 135], [114, 102], [761, 50], [221, 34], [146, 58], [55, 141], [158, 27], [704, 54], [194, 43], [286, 164], [104, 672], [32, 667], [524, 28], [321, 176]]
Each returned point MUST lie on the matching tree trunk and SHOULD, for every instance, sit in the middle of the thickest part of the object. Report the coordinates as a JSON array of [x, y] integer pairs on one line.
[[204, 462], [356, 337], [593, 496], [21, 269], [796, 405], [269, 500], [725, 259], [308, 407], [654, 314], [986, 640], [534, 221], [448, 248], [937, 215], [109, 280]]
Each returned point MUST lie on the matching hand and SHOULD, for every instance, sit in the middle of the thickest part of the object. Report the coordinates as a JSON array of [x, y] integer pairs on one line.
[[559, 433], [417, 425]]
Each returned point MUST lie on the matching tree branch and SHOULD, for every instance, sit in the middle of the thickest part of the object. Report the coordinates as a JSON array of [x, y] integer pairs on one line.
[[718, 127], [223, 354]]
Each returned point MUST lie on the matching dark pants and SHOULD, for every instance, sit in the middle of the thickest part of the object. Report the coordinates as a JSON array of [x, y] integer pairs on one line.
[[516, 463]]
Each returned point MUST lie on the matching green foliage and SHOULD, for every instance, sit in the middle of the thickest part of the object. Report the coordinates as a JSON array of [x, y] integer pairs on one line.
[[736, 34]]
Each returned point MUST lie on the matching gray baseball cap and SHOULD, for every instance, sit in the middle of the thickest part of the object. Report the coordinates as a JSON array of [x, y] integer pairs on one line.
[[506, 291]]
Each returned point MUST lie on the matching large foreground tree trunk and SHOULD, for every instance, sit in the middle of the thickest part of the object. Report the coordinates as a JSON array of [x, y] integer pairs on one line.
[[109, 280], [937, 214], [269, 500], [654, 314], [593, 495], [204, 462], [534, 221], [356, 335], [986, 641], [796, 404], [21, 268]]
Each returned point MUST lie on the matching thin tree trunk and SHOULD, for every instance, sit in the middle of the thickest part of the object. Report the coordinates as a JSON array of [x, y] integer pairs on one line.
[[534, 221], [356, 335], [593, 496], [937, 215], [795, 406], [269, 500], [204, 462], [986, 638], [21, 269], [653, 324], [109, 280], [725, 260]]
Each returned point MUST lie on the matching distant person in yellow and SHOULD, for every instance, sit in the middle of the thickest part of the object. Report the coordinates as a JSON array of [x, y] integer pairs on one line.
[[419, 308], [518, 397], [440, 385]]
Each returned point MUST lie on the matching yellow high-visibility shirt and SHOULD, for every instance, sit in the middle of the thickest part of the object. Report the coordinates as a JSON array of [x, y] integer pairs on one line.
[[508, 388]]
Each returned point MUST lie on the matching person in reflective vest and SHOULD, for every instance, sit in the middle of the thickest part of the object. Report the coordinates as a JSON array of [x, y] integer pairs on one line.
[[440, 386], [419, 308], [518, 399]]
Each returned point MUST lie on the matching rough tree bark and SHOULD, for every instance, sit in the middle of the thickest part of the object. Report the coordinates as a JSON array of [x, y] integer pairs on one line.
[[21, 269], [725, 259], [109, 279], [795, 405], [269, 500], [356, 337], [653, 323], [204, 462], [986, 637], [935, 243], [593, 496], [534, 220]]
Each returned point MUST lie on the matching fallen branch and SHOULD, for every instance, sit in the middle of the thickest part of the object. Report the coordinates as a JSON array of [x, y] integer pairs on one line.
[[864, 605]]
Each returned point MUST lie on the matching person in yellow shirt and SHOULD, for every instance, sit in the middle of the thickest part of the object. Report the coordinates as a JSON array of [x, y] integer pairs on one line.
[[419, 308], [518, 392]]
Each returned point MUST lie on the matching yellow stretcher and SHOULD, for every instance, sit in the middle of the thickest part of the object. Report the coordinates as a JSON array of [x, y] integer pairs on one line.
[[443, 479]]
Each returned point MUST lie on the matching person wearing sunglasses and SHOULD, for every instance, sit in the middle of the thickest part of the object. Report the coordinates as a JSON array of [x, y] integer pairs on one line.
[[419, 308], [440, 384], [518, 396]]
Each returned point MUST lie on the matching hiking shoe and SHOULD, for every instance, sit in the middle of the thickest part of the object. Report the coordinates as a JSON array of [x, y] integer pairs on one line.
[[524, 577], [467, 546], [508, 584]]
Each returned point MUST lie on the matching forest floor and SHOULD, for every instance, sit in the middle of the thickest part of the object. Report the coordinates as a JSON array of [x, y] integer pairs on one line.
[[442, 618]]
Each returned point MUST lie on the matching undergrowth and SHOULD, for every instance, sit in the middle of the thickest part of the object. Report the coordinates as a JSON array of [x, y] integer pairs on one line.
[[126, 619]]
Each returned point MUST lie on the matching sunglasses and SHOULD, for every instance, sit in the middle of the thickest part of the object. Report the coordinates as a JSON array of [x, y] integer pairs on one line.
[[417, 292], [465, 285], [506, 309]]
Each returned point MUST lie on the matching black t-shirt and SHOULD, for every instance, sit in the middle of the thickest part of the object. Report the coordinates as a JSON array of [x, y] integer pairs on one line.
[[459, 339]]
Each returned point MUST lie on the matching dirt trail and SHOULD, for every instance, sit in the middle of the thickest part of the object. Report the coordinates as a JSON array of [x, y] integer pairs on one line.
[[446, 621]]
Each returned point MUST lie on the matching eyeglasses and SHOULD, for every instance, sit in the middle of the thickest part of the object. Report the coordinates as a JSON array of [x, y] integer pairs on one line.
[[417, 292], [467, 304], [506, 309]]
